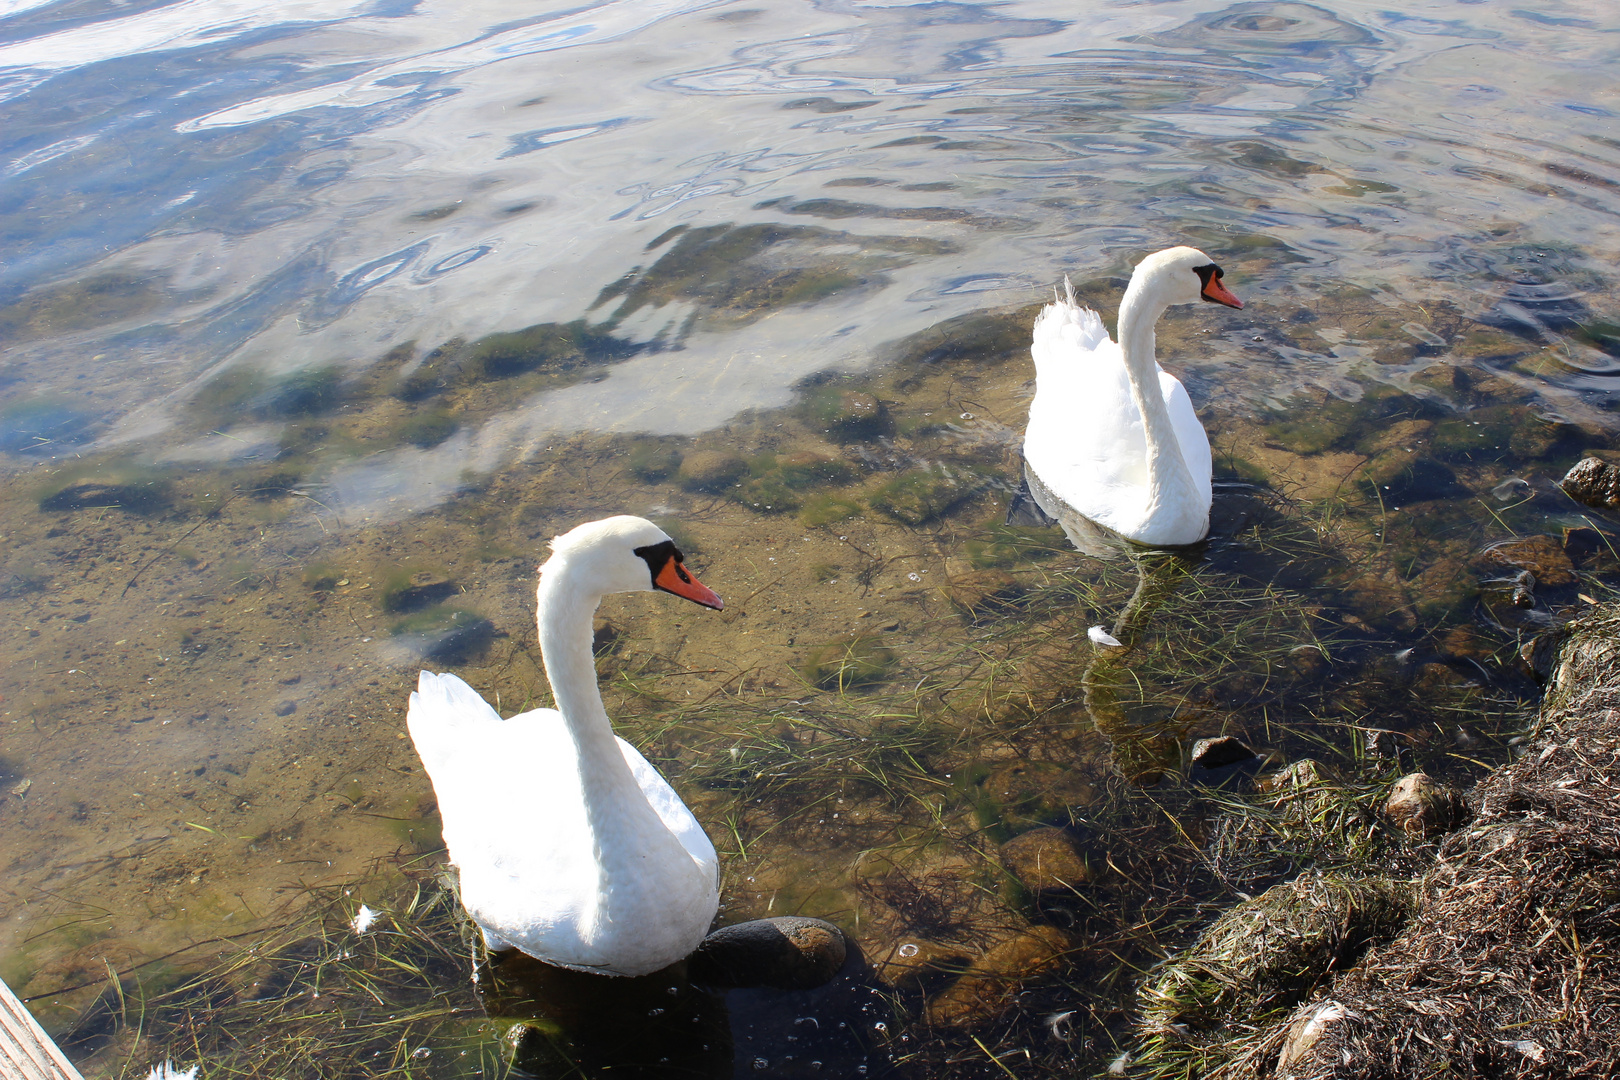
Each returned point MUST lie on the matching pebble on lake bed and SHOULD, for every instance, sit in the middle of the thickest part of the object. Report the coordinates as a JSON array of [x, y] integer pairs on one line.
[[1218, 752], [1423, 807], [1304, 773], [788, 952]]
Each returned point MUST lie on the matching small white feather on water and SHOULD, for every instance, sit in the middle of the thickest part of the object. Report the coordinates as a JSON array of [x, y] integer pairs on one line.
[[1103, 637], [167, 1071], [363, 919]]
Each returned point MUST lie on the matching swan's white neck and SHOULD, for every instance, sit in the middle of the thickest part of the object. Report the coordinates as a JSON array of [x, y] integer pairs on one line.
[[1168, 478], [614, 804]]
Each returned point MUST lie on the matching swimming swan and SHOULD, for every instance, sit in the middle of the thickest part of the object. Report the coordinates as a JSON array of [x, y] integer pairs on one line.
[[1111, 435], [571, 847]]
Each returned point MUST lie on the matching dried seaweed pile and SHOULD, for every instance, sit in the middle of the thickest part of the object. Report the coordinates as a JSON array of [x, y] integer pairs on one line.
[[1510, 966]]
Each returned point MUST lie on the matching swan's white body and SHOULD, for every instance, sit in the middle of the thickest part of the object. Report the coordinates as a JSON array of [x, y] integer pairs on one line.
[[570, 846], [1112, 436]]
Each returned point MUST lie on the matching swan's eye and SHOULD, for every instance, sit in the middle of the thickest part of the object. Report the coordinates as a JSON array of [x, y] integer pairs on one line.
[[662, 557], [657, 556]]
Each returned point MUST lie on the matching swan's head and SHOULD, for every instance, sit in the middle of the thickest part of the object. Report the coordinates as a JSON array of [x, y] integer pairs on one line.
[[624, 554], [1184, 275]]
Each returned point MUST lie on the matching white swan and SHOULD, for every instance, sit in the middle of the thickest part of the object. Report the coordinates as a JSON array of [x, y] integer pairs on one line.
[[1111, 435], [571, 847]]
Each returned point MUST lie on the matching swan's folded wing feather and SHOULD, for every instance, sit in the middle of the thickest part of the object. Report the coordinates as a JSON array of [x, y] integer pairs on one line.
[[1190, 433], [508, 791], [671, 810], [1067, 333], [1085, 438]]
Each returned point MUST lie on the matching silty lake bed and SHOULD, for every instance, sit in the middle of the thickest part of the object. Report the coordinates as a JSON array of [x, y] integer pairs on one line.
[[318, 323]]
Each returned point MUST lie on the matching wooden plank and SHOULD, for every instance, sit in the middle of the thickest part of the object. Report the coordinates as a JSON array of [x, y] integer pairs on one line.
[[26, 1052]]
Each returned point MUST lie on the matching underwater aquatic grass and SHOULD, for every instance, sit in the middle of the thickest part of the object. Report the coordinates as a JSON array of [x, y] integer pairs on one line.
[[313, 997], [904, 748], [1259, 637]]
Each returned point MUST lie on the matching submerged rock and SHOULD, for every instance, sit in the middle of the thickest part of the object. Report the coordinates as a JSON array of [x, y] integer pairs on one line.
[[1542, 556], [855, 661], [918, 496], [846, 414], [1593, 482], [992, 983], [1517, 591], [138, 495], [1422, 806], [1587, 547], [914, 961], [788, 952], [1047, 860], [980, 593], [1219, 752], [1539, 655], [711, 470], [1382, 743]]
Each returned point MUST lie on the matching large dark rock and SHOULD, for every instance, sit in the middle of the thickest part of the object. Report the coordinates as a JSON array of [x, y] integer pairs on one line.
[[788, 952]]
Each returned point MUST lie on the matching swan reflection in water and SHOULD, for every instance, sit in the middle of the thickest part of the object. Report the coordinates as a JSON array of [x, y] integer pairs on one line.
[[1145, 733], [576, 1022]]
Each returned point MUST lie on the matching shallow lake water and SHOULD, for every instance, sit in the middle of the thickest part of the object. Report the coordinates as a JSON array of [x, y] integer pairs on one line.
[[319, 320]]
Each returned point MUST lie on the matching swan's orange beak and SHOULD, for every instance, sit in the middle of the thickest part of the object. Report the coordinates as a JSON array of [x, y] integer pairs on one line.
[[1216, 293], [674, 578]]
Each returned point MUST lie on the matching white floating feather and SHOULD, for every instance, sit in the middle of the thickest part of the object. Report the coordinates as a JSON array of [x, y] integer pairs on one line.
[[168, 1071], [363, 919], [1103, 637]]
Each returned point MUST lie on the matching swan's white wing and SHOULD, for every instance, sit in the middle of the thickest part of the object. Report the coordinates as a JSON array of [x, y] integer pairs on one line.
[[1190, 434], [510, 801], [514, 818], [671, 810], [1085, 438]]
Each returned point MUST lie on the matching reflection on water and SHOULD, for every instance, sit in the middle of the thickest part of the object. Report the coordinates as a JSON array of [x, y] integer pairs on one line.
[[318, 321]]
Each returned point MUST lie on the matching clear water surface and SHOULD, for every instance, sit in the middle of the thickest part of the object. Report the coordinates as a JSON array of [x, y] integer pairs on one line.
[[318, 319]]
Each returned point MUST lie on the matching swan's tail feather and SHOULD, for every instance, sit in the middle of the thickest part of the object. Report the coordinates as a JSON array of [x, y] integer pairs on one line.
[[445, 704], [1064, 326]]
